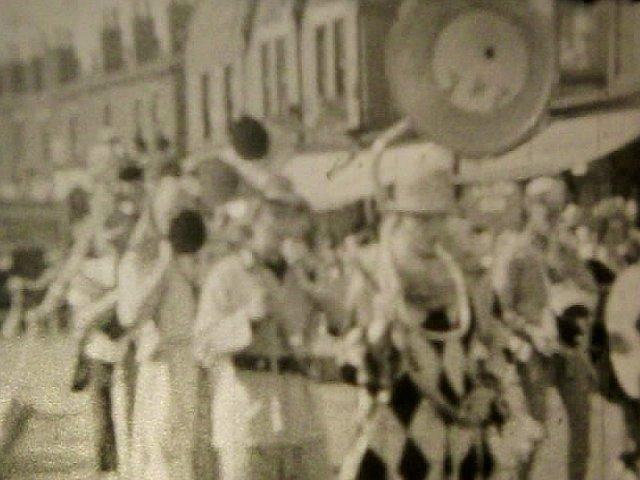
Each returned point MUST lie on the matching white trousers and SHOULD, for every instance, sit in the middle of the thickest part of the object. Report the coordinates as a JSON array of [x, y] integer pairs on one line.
[[301, 461], [163, 420]]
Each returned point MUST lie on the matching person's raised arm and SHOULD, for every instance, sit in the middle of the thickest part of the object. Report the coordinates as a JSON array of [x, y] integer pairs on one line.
[[91, 316], [138, 295], [60, 283]]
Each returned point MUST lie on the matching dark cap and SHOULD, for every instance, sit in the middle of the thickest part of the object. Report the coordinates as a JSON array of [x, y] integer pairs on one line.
[[187, 232], [249, 138]]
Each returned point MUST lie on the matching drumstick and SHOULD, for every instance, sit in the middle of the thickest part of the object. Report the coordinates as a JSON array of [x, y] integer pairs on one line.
[[376, 149], [340, 164]]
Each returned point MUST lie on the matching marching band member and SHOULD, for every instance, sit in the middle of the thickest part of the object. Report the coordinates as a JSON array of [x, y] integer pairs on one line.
[[92, 297], [432, 400], [547, 299], [251, 330], [158, 284], [103, 168]]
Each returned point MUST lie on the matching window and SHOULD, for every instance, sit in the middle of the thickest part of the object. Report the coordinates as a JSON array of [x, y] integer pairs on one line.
[[179, 16], [626, 50], [275, 80], [154, 110], [18, 77], [45, 136], [37, 74], [18, 142], [340, 60], [73, 137], [66, 59], [265, 64], [281, 77], [204, 105], [68, 66], [147, 45], [321, 60], [228, 92], [137, 114], [583, 42], [107, 115], [112, 45]]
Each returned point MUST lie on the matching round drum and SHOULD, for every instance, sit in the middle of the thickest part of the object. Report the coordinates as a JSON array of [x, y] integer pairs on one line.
[[472, 75], [622, 313]]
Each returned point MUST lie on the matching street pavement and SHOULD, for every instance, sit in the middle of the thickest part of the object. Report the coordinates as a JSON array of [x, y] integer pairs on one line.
[[58, 438], [57, 441]]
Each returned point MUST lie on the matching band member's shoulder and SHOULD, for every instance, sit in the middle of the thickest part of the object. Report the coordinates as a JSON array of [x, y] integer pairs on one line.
[[231, 264]]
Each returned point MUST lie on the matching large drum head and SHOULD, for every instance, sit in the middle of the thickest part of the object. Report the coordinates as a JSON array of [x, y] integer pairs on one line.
[[622, 313], [473, 75]]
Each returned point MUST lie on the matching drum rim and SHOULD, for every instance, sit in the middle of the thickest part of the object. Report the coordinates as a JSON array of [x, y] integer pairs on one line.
[[467, 133]]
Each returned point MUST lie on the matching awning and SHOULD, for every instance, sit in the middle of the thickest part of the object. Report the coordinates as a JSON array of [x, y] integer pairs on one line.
[[564, 144]]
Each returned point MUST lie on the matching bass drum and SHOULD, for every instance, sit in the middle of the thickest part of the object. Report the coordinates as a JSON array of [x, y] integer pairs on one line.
[[474, 76], [621, 316]]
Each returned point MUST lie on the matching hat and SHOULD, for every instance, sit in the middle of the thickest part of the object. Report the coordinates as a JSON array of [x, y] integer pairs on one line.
[[547, 190], [423, 184], [249, 138], [187, 232]]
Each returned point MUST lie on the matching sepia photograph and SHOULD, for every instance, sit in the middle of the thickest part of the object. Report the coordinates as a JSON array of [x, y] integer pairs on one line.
[[319, 240]]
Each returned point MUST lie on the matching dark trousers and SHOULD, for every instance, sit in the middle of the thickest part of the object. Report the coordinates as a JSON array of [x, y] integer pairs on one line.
[[535, 379], [574, 387], [100, 391], [204, 455], [131, 376]]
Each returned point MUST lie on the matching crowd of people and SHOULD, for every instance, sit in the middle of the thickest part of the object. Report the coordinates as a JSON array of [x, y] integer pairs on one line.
[[195, 302]]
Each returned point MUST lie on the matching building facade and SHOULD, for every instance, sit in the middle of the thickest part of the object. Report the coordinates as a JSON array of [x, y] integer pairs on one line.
[[315, 72], [115, 64]]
